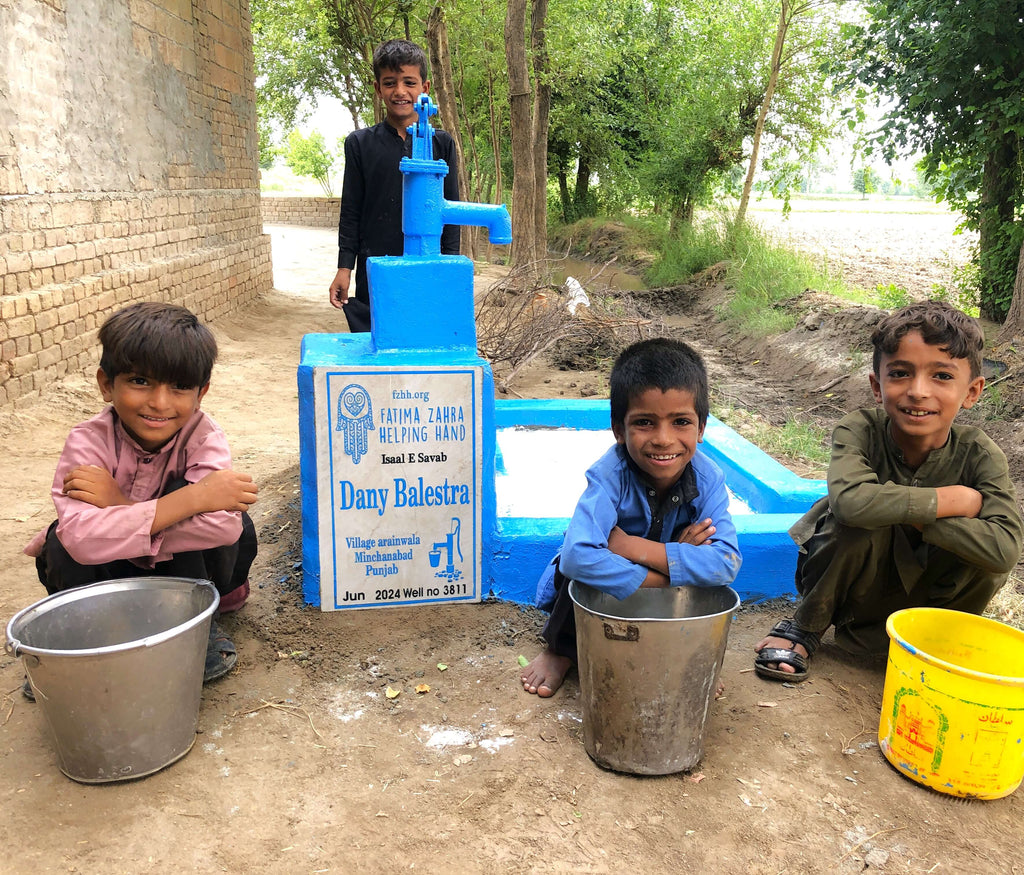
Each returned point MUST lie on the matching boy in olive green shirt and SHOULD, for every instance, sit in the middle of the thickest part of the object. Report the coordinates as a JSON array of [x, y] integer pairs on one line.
[[919, 512]]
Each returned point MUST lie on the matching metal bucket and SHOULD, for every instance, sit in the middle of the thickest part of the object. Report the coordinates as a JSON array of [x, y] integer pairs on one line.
[[117, 669], [648, 669]]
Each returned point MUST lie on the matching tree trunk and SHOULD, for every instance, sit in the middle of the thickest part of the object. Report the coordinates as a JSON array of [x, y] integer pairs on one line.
[[473, 171], [785, 17], [563, 196], [499, 183], [524, 186], [444, 89], [996, 214], [581, 192], [1013, 327], [541, 116]]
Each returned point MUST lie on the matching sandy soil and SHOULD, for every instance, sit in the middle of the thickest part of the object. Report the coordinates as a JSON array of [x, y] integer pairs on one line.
[[304, 765]]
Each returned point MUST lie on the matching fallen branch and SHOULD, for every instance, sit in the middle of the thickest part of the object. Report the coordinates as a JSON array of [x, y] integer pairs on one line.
[[293, 710]]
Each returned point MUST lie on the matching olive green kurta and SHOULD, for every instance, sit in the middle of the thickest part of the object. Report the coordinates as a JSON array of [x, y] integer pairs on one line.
[[862, 556]]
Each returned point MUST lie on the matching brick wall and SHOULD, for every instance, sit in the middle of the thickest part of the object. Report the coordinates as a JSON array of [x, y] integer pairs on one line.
[[313, 212], [127, 172]]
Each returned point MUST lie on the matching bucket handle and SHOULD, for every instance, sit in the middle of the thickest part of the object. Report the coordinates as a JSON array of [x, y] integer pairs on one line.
[[621, 632], [12, 646]]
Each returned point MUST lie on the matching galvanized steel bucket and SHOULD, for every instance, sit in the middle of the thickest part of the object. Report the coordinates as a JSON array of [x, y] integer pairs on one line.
[[648, 668], [117, 669]]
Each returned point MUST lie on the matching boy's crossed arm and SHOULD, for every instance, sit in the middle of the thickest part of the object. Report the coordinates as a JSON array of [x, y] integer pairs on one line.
[[957, 500], [221, 490], [652, 554]]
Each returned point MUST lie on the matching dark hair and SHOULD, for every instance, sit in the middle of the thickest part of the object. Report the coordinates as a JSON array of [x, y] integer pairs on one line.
[[398, 53], [161, 341], [940, 324], [659, 363]]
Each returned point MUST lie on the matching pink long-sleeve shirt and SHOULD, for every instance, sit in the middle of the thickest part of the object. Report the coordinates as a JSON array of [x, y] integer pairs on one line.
[[94, 535]]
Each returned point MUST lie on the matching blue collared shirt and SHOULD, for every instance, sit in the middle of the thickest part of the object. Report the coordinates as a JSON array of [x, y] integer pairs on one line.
[[617, 496]]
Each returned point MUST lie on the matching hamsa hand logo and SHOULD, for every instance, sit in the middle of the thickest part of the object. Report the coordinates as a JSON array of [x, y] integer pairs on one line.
[[355, 420]]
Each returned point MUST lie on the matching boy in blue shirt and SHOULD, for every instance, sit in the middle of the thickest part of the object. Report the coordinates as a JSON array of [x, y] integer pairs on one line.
[[655, 511]]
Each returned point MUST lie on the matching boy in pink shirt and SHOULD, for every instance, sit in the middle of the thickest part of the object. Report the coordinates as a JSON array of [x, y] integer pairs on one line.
[[146, 487]]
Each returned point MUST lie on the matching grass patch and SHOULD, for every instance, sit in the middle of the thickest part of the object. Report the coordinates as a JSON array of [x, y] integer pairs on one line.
[[803, 443], [631, 240], [763, 274], [695, 248], [766, 275]]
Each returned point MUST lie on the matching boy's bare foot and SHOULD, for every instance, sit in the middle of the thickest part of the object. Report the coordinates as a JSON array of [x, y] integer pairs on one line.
[[545, 673]]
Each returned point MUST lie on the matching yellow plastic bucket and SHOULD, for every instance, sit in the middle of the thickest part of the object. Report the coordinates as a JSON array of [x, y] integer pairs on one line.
[[953, 702]]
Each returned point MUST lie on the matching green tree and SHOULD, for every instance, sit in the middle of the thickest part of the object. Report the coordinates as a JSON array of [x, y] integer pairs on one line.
[[268, 151], [305, 49], [309, 156], [865, 180], [955, 73], [795, 108]]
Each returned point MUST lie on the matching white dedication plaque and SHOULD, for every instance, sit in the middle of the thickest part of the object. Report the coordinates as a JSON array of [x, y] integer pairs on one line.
[[399, 466]]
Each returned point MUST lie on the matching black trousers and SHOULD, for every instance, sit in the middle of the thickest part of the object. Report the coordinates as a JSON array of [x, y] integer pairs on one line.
[[560, 630], [225, 567], [357, 310]]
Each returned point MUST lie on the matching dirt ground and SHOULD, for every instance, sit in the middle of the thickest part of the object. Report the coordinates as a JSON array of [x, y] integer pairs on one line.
[[304, 765]]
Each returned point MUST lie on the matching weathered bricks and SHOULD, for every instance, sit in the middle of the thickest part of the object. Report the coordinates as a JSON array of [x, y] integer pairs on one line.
[[313, 212], [102, 218]]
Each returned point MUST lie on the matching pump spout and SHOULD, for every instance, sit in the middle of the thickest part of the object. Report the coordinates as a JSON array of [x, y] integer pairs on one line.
[[493, 217]]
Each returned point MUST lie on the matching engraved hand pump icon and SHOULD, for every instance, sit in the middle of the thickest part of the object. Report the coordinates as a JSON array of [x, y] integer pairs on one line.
[[451, 544]]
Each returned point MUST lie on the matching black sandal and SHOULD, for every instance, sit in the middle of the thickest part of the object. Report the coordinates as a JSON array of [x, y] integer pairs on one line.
[[221, 655], [767, 656]]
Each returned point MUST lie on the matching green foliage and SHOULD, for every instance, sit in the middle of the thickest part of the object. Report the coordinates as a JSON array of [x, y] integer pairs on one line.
[[993, 404], [803, 442], [629, 239], [763, 275], [693, 249], [307, 49], [954, 72], [865, 180], [309, 156], [891, 296], [268, 151], [965, 288]]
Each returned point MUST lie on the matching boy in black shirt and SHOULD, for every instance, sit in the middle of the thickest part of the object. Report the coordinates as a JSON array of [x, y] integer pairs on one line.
[[371, 195]]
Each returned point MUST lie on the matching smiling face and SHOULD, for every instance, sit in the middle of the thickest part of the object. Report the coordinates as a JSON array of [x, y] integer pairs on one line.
[[398, 90], [922, 388], [150, 411], [660, 432]]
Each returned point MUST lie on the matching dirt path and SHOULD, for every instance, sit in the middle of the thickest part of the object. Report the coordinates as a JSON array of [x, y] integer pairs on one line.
[[303, 764]]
